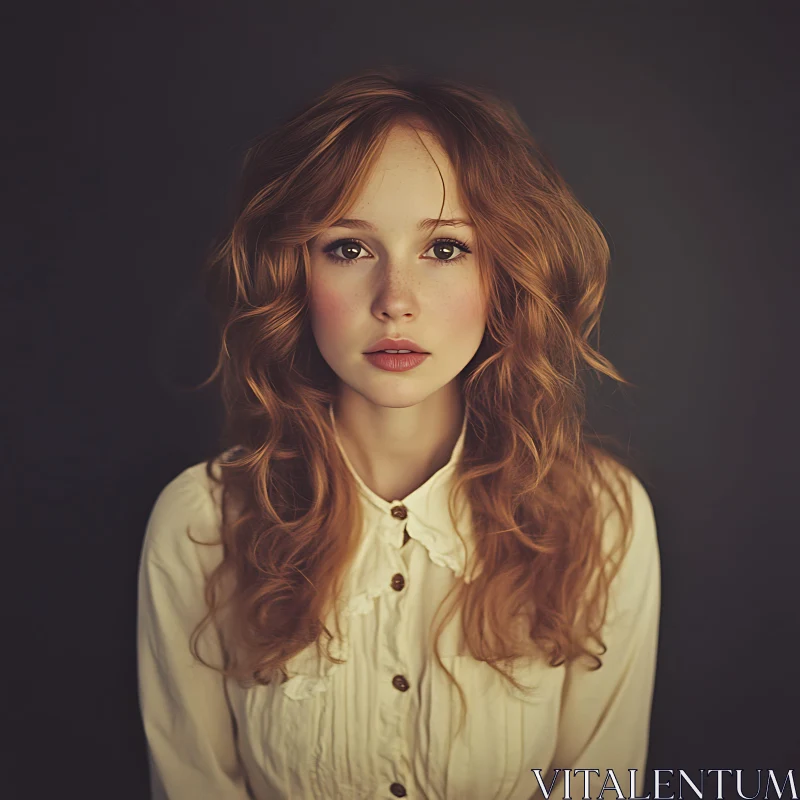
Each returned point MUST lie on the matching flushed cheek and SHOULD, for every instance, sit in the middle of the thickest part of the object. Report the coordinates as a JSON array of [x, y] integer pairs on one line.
[[463, 312], [332, 312]]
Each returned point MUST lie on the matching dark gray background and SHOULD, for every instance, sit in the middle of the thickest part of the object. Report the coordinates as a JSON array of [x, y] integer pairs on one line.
[[676, 125]]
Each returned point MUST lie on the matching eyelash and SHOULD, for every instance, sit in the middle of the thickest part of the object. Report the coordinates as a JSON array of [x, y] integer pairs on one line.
[[340, 242]]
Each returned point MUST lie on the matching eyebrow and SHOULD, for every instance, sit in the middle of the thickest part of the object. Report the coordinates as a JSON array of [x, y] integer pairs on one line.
[[424, 224]]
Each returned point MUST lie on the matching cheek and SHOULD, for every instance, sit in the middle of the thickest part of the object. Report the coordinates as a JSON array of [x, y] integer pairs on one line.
[[329, 308], [464, 310]]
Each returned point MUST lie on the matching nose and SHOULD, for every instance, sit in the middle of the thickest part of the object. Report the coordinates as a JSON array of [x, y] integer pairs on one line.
[[394, 298]]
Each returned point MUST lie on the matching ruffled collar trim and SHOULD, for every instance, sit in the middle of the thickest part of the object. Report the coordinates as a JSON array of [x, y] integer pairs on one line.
[[427, 519]]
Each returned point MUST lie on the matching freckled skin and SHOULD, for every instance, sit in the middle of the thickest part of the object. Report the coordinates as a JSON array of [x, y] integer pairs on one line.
[[395, 286]]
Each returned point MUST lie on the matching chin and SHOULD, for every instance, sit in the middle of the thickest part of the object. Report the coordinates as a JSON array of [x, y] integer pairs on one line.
[[395, 399], [396, 396]]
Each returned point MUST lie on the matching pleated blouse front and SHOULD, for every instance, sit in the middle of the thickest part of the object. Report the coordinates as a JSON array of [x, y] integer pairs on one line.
[[384, 723]]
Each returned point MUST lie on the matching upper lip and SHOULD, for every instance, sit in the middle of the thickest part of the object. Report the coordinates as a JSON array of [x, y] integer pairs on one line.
[[395, 344]]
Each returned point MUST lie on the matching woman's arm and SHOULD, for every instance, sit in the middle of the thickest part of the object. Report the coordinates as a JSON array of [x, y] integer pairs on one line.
[[605, 717], [187, 720]]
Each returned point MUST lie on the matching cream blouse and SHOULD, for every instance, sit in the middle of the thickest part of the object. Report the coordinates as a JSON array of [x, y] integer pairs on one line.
[[383, 724]]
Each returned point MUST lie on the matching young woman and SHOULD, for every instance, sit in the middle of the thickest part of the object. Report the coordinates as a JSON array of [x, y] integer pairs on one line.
[[407, 573]]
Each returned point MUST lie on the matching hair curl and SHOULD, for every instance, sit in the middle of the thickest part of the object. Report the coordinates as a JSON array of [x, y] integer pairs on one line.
[[532, 474]]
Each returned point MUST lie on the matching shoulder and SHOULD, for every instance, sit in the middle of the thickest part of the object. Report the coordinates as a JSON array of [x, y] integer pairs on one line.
[[634, 549], [189, 504], [626, 486]]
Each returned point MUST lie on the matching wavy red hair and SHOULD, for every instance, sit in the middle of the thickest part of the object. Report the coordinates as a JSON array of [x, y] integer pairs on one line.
[[532, 473]]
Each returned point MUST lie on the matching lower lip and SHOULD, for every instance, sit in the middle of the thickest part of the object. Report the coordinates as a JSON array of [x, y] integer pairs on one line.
[[396, 362]]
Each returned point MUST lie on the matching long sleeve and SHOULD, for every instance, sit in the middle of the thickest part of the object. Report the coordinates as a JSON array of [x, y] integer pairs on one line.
[[605, 715], [188, 723]]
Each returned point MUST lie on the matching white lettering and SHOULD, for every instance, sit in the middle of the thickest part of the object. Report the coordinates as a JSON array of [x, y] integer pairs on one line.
[[682, 776], [739, 786], [586, 795], [538, 774], [719, 780], [789, 777], [658, 796], [633, 795], [616, 787]]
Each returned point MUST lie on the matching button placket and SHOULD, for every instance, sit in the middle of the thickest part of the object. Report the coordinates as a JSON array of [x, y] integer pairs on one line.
[[395, 711]]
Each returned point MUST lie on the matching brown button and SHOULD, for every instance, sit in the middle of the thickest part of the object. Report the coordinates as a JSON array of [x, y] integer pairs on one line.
[[398, 582], [400, 683], [399, 512], [398, 790]]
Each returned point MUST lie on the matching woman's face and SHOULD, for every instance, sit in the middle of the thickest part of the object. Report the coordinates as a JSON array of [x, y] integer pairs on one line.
[[390, 283]]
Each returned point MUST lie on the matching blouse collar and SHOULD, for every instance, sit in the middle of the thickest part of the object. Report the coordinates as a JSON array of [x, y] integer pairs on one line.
[[424, 511]]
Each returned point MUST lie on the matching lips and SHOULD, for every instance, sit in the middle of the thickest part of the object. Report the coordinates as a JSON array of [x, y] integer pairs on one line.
[[395, 344], [395, 362]]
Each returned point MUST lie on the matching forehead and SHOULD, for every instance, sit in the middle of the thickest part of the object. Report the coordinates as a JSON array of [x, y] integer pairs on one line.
[[412, 140], [412, 167]]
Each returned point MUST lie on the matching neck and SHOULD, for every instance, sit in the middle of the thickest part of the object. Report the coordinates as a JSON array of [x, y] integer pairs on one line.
[[395, 450]]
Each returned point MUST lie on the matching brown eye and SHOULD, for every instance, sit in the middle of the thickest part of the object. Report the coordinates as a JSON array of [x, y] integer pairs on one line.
[[350, 250], [445, 250]]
